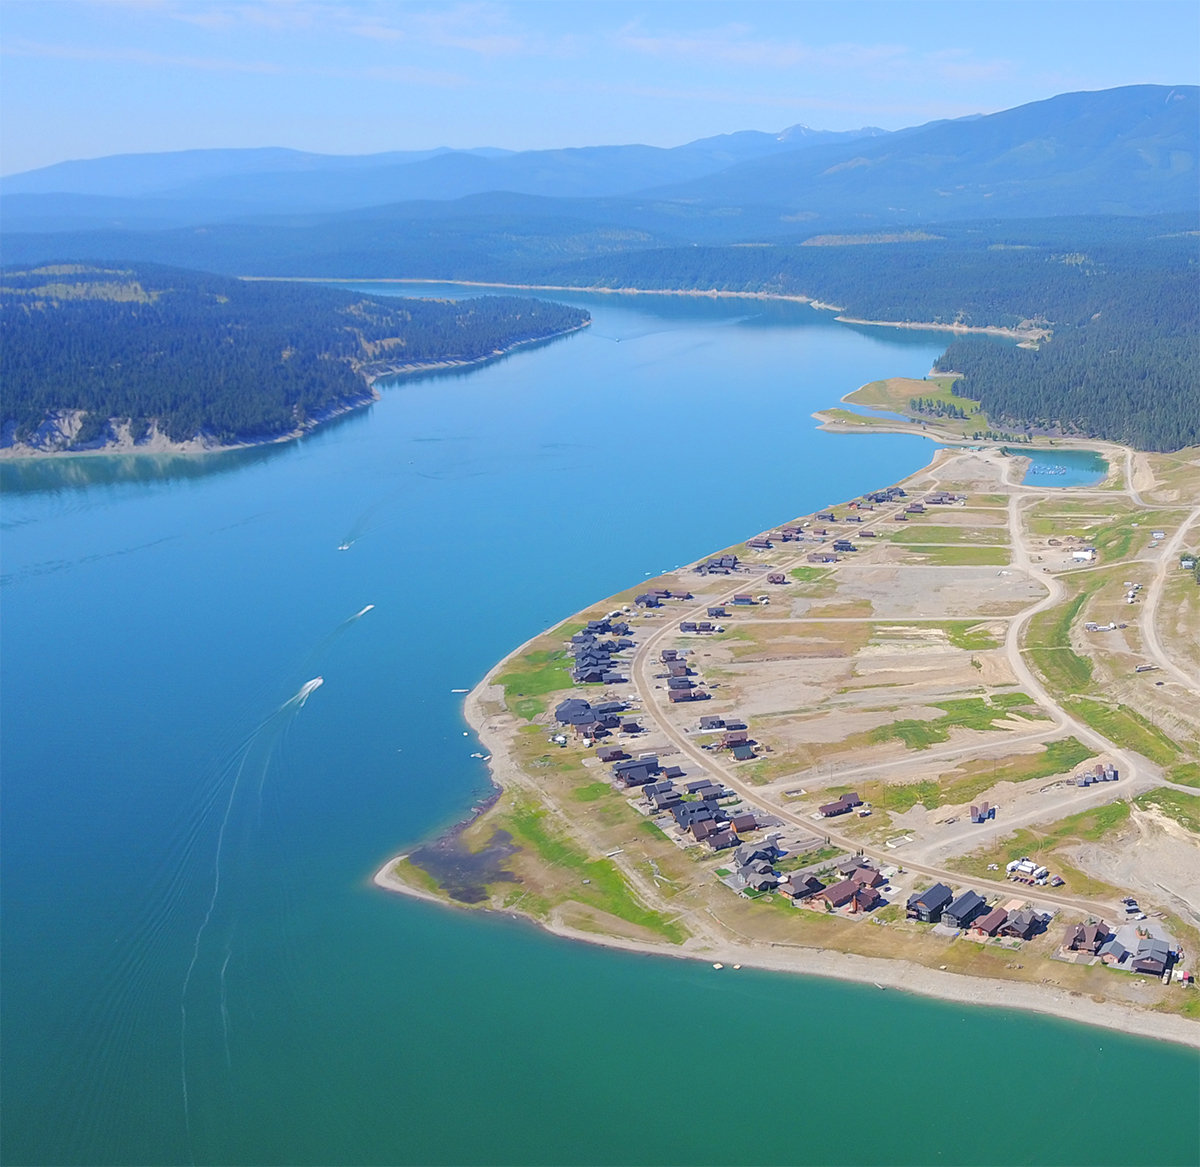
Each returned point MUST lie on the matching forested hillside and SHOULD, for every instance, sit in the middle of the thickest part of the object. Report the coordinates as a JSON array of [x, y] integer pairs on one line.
[[206, 354]]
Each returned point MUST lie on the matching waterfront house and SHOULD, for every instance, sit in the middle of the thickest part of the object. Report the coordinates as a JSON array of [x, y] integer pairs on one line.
[[1022, 924], [990, 924], [962, 911], [1113, 952], [1152, 956], [927, 906], [1086, 937], [759, 543]]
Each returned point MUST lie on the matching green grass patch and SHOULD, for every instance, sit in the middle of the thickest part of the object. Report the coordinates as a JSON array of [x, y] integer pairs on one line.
[[1059, 757], [962, 556], [531, 677], [972, 637], [808, 574], [592, 791], [1183, 808], [653, 830], [607, 890], [1185, 774], [1126, 727], [1048, 643], [1009, 700], [967, 712]]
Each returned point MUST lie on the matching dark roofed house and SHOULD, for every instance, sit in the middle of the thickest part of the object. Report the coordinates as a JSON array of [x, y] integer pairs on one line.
[[1022, 924], [630, 727], [840, 894], [1086, 937], [722, 840], [963, 910], [927, 906], [636, 776], [611, 754], [735, 737], [1112, 951], [800, 887], [743, 598], [677, 695], [673, 772], [990, 924], [776, 577], [680, 683], [566, 712], [759, 543], [702, 828], [1152, 956], [717, 612], [743, 753], [900, 518], [750, 852], [743, 823], [711, 722], [670, 654], [867, 877], [843, 805], [843, 545], [822, 557], [687, 626]]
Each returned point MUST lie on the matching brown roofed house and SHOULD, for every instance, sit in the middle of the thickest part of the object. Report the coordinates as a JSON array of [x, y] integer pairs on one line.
[[990, 924]]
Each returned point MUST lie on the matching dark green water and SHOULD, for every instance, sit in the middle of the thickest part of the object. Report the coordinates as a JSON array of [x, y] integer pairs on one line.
[[196, 968]]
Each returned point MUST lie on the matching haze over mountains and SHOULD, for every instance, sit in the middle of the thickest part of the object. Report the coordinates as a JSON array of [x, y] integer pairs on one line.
[[216, 185], [1133, 150]]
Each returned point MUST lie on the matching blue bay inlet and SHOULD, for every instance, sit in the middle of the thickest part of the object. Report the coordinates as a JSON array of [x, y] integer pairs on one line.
[[197, 968]]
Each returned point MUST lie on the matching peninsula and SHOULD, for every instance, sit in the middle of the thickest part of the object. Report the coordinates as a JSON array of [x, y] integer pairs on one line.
[[145, 359], [942, 737]]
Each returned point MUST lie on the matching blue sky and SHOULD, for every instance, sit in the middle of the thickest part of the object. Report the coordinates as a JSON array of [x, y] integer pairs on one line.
[[85, 78]]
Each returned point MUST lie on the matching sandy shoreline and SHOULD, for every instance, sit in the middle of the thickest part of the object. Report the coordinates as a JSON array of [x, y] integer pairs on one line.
[[711, 294], [900, 975], [158, 444]]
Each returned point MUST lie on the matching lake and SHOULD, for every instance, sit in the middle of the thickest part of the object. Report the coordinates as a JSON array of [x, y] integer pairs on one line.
[[1061, 467], [196, 966]]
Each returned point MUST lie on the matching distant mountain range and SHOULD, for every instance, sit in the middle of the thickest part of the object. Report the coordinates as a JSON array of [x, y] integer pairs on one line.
[[198, 186], [1129, 151]]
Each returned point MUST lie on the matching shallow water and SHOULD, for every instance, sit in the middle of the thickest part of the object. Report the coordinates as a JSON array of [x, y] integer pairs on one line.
[[1062, 467], [197, 968]]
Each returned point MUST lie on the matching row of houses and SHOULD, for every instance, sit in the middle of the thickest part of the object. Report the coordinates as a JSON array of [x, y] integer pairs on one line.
[[594, 656], [1141, 953], [655, 596], [719, 565], [857, 890], [680, 686], [969, 911]]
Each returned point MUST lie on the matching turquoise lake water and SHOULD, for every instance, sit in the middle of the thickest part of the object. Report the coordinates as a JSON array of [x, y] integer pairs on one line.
[[1062, 467], [196, 967]]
